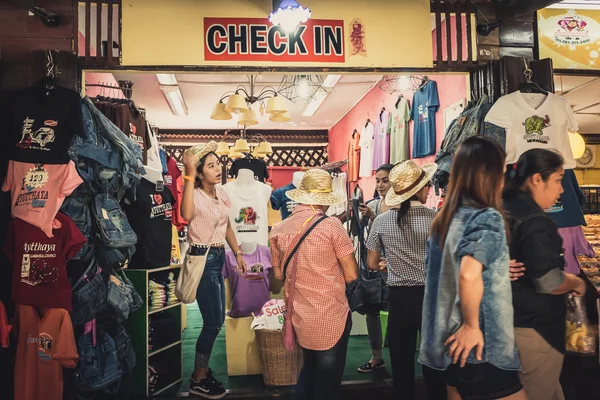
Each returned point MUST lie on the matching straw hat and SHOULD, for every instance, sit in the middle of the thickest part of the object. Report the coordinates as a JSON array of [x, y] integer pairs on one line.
[[316, 189], [200, 150], [407, 179]]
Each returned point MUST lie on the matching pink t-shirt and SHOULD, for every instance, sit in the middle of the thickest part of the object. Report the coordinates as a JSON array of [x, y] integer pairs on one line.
[[38, 191]]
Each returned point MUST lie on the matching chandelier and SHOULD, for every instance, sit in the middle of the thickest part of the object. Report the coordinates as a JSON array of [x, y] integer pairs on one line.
[[301, 87], [261, 147], [241, 100]]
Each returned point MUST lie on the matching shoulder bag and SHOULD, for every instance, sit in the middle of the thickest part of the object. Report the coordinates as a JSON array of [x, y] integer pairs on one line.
[[289, 336]]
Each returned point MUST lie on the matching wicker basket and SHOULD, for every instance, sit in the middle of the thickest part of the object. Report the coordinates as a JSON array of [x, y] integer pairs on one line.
[[280, 367]]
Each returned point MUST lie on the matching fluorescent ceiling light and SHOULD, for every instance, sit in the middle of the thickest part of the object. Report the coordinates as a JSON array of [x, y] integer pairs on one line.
[[166, 79], [331, 81], [175, 99], [314, 104]]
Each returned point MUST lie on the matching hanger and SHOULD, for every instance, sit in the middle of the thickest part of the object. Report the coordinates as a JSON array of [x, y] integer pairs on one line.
[[381, 113], [424, 82], [49, 81], [368, 122], [398, 101], [354, 133], [529, 86]]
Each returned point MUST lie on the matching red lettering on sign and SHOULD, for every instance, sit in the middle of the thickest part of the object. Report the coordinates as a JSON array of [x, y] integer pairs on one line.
[[256, 39]]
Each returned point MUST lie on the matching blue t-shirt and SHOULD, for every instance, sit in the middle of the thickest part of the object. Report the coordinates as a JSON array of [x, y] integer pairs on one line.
[[425, 104], [279, 200], [567, 212]]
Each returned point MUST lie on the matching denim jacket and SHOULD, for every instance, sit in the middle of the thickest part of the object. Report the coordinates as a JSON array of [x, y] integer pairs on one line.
[[481, 235]]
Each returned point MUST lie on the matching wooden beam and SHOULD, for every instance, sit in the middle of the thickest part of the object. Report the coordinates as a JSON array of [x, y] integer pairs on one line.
[[88, 28], [438, 31], [98, 30], [448, 34], [459, 36], [109, 52], [468, 12]]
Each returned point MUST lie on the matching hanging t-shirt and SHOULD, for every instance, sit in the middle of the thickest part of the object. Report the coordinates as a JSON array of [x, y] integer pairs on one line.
[[398, 130], [381, 140], [366, 151], [425, 104], [534, 121], [150, 217], [567, 211], [249, 212], [153, 164], [134, 125], [171, 179], [574, 244], [41, 124], [39, 262], [38, 190], [280, 201], [353, 156], [46, 344], [259, 167], [251, 291]]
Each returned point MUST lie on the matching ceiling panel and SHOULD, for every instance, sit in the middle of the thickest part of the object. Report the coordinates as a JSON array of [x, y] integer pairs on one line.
[[202, 91], [583, 93]]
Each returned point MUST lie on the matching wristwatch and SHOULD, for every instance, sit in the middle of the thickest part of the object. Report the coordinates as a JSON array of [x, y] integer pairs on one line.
[[238, 253]]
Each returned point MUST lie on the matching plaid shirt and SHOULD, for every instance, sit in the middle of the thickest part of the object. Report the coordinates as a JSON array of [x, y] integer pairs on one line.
[[209, 225], [320, 307]]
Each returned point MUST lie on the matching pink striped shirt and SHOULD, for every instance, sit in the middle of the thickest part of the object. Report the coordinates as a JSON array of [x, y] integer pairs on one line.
[[209, 225]]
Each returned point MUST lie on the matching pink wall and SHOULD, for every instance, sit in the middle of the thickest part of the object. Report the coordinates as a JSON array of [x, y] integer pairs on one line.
[[281, 176], [451, 88]]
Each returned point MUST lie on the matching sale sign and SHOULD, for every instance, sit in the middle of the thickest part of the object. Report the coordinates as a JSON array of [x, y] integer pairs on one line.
[[256, 39]]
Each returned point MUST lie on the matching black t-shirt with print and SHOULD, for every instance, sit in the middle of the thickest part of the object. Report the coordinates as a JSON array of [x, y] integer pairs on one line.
[[150, 217], [259, 167], [40, 124], [134, 125]]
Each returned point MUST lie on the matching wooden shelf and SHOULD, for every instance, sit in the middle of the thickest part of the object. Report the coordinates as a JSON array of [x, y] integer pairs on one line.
[[164, 308], [167, 387], [169, 267], [164, 348]]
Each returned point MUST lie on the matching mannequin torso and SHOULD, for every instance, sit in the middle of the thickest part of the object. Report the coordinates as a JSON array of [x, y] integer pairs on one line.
[[297, 178]]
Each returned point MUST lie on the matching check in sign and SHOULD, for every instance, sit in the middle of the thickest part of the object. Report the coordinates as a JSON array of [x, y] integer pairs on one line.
[[256, 39]]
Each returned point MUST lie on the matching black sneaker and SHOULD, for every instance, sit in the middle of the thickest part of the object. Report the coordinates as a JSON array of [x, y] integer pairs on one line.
[[210, 376], [368, 367], [207, 389]]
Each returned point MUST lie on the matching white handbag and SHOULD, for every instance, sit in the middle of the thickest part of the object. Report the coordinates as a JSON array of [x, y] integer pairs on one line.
[[189, 277]]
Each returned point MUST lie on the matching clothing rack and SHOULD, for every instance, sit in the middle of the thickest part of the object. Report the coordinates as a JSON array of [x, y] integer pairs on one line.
[[334, 165], [126, 87]]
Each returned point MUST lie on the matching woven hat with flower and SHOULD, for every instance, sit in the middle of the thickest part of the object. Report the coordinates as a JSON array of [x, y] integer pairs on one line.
[[407, 179], [316, 189], [200, 150]]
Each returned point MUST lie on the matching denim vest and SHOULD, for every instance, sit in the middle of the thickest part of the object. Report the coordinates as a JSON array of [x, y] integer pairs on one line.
[[480, 234]]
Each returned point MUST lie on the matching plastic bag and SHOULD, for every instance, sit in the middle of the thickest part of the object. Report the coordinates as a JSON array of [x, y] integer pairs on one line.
[[580, 337]]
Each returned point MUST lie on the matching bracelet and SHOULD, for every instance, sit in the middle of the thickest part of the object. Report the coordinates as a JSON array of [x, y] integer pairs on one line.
[[237, 253], [188, 178]]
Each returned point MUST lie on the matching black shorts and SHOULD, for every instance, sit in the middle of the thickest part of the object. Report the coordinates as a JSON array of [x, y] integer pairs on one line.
[[483, 381]]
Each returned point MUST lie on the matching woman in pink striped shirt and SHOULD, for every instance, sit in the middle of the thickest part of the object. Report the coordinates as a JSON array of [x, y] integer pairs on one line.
[[206, 206]]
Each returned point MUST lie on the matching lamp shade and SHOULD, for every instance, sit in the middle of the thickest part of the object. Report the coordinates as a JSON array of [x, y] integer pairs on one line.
[[276, 105], [264, 148], [280, 117], [241, 146], [258, 154], [248, 118], [223, 149], [236, 104], [577, 144], [234, 155], [219, 113]]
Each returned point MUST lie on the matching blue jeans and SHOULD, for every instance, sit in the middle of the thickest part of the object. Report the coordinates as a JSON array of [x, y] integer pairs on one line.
[[211, 301], [322, 371], [375, 334]]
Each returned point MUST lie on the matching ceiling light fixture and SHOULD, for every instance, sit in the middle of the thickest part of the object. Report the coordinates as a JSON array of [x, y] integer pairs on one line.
[[314, 104], [175, 99], [241, 100], [166, 79], [301, 88], [289, 15]]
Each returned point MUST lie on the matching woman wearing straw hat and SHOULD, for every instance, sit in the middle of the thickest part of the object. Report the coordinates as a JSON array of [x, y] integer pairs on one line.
[[315, 284], [402, 233], [206, 206]]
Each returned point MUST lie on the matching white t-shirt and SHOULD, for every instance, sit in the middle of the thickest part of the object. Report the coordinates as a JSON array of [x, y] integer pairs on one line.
[[366, 151], [534, 121], [249, 212]]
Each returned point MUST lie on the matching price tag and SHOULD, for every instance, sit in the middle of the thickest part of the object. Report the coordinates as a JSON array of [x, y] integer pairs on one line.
[[160, 186], [36, 177], [25, 266]]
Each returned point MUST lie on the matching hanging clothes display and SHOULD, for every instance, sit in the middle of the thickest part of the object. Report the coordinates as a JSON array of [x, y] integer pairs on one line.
[[280, 201], [575, 244], [534, 121], [131, 122], [340, 180], [381, 141], [353, 156], [567, 211], [425, 105], [259, 167], [366, 150], [398, 132]]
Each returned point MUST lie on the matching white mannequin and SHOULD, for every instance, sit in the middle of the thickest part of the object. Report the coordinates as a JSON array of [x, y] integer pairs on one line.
[[297, 178], [248, 247], [245, 177]]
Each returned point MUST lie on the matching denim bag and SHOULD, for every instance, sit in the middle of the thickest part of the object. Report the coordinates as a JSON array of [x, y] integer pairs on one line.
[[89, 295], [78, 209], [124, 348], [99, 366], [114, 230], [122, 296]]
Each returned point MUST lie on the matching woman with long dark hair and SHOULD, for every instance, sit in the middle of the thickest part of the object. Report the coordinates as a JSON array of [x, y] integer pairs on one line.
[[402, 234], [206, 206], [532, 186], [467, 313]]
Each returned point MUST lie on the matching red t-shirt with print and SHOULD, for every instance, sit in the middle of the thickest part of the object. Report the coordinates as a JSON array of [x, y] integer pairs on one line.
[[39, 262]]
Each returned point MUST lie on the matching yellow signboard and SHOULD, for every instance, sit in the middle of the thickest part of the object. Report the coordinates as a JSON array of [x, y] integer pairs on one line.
[[376, 33], [570, 37]]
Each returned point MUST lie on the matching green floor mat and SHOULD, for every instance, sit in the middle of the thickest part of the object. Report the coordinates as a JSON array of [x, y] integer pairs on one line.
[[358, 354]]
